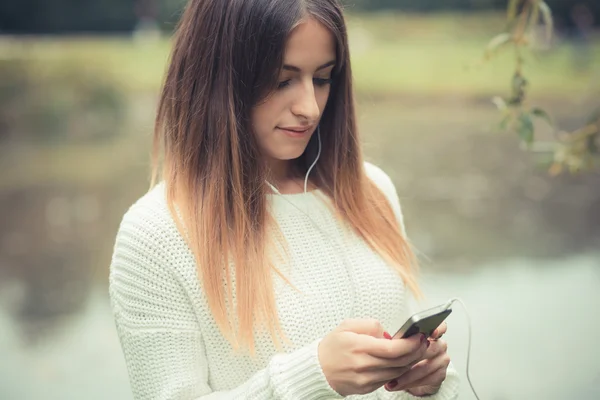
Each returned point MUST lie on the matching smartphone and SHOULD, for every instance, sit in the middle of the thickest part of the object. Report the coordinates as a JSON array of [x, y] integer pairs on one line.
[[424, 322]]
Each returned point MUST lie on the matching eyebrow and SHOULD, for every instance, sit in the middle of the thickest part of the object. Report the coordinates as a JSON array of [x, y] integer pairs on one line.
[[296, 69]]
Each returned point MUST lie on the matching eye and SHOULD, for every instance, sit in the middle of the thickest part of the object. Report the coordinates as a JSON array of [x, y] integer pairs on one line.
[[283, 84], [322, 81]]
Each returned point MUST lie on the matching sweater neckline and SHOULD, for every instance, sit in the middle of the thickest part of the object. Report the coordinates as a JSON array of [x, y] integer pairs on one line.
[[299, 195], [291, 201]]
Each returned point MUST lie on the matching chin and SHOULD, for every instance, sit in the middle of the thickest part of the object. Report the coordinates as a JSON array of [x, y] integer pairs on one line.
[[292, 154], [288, 157]]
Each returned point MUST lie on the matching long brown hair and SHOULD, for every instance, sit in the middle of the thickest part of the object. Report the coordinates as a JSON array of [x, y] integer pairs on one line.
[[226, 59]]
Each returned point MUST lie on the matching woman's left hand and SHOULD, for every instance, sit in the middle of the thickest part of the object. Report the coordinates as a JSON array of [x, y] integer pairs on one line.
[[426, 376]]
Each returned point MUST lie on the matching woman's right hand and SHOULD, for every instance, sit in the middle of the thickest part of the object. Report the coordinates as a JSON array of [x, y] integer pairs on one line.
[[357, 359]]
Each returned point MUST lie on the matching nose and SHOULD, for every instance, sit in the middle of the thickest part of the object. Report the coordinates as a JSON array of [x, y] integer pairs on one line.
[[306, 105]]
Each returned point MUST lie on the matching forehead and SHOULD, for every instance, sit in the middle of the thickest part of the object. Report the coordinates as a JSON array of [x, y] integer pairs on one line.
[[309, 45]]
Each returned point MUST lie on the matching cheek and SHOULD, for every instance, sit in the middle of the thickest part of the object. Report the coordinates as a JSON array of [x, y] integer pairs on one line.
[[322, 97], [260, 122], [265, 115]]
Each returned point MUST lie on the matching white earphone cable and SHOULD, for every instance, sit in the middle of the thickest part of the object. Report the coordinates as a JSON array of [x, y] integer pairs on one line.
[[316, 159], [448, 304]]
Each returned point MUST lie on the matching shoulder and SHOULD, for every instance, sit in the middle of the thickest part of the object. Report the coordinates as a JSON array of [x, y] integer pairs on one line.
[[147, 234], [148, 214], [386, 185], [381, 179], [148, 218]]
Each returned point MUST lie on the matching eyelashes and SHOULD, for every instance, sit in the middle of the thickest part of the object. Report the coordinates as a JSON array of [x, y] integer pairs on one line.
[[322, 82], [317, 81]]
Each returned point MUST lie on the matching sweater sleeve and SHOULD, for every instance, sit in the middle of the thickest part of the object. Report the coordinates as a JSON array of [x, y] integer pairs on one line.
[[160, 333], [451, 385]]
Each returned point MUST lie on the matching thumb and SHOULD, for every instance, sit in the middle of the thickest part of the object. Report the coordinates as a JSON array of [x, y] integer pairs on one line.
[[367, 326]]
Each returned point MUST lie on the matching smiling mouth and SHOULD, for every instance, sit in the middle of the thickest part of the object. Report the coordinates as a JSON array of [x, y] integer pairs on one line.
[[295, 129], [295, 132]]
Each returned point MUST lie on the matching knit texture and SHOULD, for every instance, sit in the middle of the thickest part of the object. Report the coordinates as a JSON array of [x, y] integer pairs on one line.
[[172, 346]]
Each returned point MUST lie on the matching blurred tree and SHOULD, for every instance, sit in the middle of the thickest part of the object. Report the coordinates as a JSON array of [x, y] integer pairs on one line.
[[561, 8], [94, 16], [65, 16], [576, 150]]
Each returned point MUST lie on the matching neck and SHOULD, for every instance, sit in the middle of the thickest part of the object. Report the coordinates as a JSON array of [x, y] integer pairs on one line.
[[279, 172], [281, 175]]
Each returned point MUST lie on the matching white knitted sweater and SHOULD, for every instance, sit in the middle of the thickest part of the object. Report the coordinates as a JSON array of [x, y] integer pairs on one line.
[[172, 346]]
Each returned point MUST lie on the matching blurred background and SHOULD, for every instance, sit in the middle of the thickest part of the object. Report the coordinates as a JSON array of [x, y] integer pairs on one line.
[[78, 88]]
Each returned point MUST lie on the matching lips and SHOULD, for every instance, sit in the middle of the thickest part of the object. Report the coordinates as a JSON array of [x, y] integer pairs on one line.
[[297, 129]]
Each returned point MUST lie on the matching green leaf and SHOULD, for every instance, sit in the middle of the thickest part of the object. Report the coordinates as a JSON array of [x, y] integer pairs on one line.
[[526, 128], [512, 9], [503, 125], [547, 18], [495, 43], [500, 103], [534, 16], [538, 112], [518, 83]]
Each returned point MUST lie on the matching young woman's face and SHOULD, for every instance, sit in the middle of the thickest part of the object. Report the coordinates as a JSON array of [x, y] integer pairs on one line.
[[286, 120]]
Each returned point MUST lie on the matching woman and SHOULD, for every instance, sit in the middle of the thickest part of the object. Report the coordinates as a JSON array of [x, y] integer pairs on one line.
[[269, 257]]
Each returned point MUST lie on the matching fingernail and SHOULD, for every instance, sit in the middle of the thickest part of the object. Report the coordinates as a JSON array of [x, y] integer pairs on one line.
[[387, 335], [391, 384]]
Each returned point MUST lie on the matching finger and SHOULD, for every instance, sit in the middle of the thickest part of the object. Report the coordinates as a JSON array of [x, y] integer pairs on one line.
[[373, 380], [424, 371], [369, 327], [435, 379], [439, 332], [435, 348], [396, 350], [384, 375], [377, 363]]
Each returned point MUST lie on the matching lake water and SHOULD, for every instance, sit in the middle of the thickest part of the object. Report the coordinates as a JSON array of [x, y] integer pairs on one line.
[[535, 328]]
